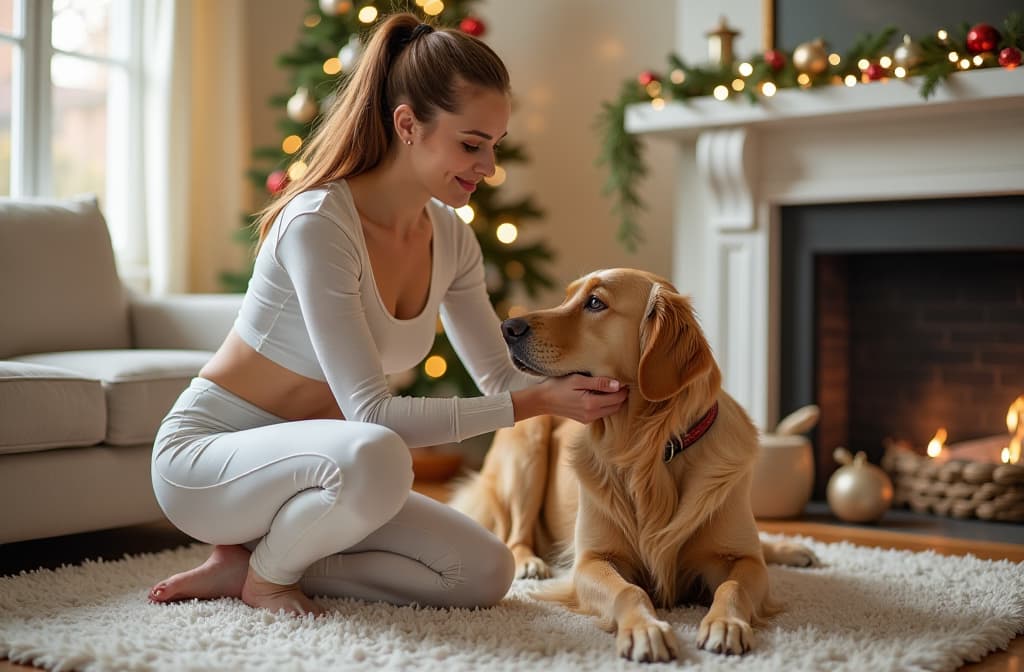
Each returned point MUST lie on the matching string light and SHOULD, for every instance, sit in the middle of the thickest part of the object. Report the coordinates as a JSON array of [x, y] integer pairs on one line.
[[835, 59], [433, 7], [738, 84], [297, 170], [653, 89], [291, 144], [507, 233], [900, 72], [332, 66], [746, 69], [435, 366], [850, 80], [953, 57], [803, 79], [964, 63], [863, 64], [368, 14], [768, 89], [466, 213], [885, 62], [498, 178], [721, 92], [942, 34], [311, 21], [658, 103], [677, 76], [978, 60]]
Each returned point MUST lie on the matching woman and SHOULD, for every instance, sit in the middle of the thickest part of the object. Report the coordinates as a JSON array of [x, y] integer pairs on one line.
[[288, 452]]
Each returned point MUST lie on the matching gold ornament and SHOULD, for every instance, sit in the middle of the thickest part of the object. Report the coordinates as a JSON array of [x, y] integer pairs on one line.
[[858, 492], [811, 57], [720, 43], [302, 107], [908, 54]]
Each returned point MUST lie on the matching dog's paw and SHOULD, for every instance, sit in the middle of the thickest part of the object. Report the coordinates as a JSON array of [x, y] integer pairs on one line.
[[648, 641], [725, 635], [532, 568], [792, 554]]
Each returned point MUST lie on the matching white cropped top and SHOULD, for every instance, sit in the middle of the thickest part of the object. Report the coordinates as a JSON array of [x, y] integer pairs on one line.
[[312, 306]]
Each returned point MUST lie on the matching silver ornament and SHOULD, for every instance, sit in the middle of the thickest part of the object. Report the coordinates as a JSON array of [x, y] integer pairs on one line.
[[302, 106], [858, 491], [908, 54], [350, 53]]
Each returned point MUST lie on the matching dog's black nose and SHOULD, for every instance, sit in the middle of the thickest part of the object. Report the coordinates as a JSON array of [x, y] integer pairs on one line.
[[513, 329]]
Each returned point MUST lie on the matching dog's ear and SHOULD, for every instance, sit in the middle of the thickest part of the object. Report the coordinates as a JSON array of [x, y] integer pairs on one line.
[[673, 351]]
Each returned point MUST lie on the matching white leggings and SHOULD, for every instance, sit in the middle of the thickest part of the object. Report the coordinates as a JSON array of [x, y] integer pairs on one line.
[[325, 503]]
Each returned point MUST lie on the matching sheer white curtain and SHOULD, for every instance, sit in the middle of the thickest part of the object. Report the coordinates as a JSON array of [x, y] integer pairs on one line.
[[194, 142]]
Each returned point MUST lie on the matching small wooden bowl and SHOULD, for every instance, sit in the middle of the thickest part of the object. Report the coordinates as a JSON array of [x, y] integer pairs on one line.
[[430, 464]]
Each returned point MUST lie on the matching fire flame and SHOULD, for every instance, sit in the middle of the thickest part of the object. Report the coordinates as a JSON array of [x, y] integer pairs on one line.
[[1011, 453], [937, 442]]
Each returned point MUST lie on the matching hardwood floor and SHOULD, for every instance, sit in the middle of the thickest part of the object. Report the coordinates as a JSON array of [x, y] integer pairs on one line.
[[149, 538]]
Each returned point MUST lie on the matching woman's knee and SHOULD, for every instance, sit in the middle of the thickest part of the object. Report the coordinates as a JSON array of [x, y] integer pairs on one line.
[[380, 468], [491, 574]]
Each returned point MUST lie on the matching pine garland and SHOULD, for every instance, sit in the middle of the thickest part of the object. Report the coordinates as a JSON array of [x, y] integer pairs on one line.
[[622, 152]]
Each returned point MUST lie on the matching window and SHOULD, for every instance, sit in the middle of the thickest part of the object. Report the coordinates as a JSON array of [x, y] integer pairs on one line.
[[69, 100]]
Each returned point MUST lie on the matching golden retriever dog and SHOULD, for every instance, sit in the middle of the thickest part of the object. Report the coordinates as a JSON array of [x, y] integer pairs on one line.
[[651, 504]]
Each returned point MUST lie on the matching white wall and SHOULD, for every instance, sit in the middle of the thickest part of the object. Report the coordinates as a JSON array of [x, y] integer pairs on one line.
[[565, 58]]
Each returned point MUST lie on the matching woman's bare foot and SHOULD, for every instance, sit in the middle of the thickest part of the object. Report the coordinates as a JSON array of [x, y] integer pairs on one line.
[[222, 575], [258, 592]]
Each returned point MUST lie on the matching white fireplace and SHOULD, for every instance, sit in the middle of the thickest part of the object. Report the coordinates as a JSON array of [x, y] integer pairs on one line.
[[740, 163]]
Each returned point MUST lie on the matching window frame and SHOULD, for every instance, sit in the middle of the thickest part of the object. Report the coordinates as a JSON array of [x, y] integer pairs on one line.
[[32, 104]]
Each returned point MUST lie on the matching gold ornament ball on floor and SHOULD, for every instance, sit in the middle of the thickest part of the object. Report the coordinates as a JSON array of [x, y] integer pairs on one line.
[[858, 492], [811, 57]]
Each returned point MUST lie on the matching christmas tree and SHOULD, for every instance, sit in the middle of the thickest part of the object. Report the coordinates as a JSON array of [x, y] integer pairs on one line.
[[328, 51]]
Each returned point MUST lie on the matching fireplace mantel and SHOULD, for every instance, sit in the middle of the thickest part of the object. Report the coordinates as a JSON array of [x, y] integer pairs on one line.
[[739, 163]]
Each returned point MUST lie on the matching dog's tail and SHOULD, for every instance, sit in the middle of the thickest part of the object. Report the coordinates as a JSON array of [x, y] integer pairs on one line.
[[475, 496]]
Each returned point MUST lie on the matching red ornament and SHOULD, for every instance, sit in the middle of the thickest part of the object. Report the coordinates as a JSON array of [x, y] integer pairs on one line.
[[277, 181], [982, 37], [1009, 58], [646, 77], [875, 72], [775, 59], [472, 26]]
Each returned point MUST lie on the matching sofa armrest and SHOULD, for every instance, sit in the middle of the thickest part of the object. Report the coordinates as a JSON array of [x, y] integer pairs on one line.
[[182, 321]]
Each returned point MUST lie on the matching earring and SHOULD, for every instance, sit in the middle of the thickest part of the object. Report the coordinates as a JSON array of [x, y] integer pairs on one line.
[[408, 142]]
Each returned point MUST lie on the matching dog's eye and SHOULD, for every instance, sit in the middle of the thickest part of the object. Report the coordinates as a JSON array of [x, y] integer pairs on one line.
[[595, 304]]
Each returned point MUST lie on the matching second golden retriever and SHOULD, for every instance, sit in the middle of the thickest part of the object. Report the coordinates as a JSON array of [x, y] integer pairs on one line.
[[651, 504]]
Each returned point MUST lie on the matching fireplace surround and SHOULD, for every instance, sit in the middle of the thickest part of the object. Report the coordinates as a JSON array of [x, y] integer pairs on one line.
[[740, 165]]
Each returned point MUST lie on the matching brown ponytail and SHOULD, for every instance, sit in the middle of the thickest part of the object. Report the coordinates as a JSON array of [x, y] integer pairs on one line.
[[401, 64]]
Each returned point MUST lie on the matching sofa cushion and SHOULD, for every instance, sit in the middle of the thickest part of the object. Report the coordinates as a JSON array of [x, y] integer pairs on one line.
[[140, 385], [58, 280], [45, 407]]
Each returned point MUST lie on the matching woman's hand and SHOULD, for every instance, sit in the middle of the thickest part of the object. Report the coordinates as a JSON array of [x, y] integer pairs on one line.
[[577, 397]]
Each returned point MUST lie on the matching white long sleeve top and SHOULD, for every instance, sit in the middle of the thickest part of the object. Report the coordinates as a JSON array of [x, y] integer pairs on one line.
[[312, 306]]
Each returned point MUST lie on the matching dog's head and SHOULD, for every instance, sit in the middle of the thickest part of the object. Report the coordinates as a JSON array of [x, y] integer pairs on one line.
[[623, 323]]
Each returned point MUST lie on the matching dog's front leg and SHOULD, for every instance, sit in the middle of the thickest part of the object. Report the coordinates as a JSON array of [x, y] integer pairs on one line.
[[625, 608], [726, 627]]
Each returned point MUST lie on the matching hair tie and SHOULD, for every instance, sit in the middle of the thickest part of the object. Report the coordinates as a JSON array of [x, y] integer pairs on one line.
[[421, 29]]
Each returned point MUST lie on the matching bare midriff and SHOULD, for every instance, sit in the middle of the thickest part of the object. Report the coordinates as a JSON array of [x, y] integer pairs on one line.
[[239, 369]]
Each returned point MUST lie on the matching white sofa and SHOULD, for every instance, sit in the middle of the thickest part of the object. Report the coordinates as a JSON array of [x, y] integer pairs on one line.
[[87, 370]]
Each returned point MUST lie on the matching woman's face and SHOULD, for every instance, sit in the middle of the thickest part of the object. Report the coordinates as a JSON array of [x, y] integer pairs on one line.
[[456, 151]]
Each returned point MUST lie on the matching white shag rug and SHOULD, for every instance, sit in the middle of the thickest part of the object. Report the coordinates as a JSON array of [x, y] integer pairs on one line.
[[866, 609]]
